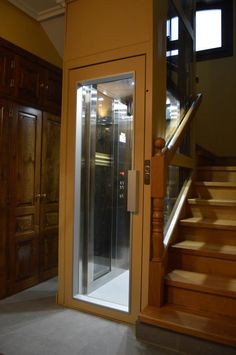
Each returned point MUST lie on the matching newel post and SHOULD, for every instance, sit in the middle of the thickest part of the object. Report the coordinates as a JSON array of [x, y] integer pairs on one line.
[[158, 187], [158, 194]]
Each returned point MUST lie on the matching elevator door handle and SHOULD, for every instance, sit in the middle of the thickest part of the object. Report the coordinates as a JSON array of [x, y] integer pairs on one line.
[[132, 198]]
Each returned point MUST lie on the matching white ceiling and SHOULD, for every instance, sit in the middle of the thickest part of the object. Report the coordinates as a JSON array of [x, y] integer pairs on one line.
[[50, 13], [41, 9]]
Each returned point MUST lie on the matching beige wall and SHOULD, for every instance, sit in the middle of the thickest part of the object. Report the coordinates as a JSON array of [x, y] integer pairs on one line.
[[216, 120], [113, 25], [20, 29]]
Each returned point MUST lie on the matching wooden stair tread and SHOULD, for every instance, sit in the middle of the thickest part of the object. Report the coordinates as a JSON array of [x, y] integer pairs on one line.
[[217, 168], [215, 183], [204, 325], [211, 202], [209, 223], [207, 290], [201, 282], [209, 249]]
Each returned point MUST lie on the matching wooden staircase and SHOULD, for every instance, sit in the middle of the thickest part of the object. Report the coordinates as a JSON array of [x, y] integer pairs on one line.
[[200, 287]]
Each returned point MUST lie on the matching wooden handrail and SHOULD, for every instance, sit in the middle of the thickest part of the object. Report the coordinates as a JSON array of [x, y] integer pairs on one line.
[[174, 143], [164, 152]]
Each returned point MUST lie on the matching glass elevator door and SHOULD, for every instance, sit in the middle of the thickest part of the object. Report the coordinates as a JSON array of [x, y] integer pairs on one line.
[[105, 117], [107, 187]]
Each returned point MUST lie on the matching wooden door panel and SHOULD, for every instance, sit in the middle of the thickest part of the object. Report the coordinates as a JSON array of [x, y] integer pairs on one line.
[[26, 159], [51, 219], [25, 182], [26, 267], [7, 73], [49, 240], [25, 224], [53, 91], [27, 168], [28, 84], [51, 252], [50, 158], [49, 255], [49, 195], [4, 131], [4, 175], [4, 65]]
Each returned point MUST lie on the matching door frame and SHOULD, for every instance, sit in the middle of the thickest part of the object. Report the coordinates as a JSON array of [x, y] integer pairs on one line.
[[135, 65]]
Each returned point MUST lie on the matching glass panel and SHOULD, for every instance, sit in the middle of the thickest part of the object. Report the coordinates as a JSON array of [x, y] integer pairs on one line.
[[176, 177], [102, 223], [188, 7], [180, 67]]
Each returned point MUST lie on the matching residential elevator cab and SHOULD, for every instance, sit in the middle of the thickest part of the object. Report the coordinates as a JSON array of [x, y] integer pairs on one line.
[[105, 195]]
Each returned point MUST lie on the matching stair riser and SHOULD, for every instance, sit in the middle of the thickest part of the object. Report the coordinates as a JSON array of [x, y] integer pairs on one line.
[[154, 324], [200, 301], [206, 175], [208, 211], [218, 193], [208, 235], [202, 264]]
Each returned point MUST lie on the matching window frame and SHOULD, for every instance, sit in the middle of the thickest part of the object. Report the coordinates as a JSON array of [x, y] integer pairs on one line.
[[226, 50]]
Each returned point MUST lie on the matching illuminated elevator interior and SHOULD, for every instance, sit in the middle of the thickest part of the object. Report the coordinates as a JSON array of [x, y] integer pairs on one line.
[[104, 155]]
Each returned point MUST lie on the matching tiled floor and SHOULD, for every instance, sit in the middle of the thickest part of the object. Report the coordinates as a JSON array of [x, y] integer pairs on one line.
[[32, 324]]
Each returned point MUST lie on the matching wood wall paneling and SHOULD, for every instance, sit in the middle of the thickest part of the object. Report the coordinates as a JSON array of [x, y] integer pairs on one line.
[[52, 91], [29, 168], [7, 72], [28, 79], [3, 195]]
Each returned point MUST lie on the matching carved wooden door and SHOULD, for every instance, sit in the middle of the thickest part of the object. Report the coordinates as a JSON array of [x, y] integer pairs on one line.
[[49, 196], [25, 153]]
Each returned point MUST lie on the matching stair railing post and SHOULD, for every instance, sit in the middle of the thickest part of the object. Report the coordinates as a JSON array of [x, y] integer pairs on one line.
[[158, 196], [158, 188]]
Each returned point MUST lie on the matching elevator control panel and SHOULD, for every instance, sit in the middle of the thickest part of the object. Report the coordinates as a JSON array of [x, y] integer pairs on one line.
[[122, 184]]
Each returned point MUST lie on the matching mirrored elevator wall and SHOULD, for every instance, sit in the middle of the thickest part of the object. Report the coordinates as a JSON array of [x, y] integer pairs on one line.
[[106, 123]]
